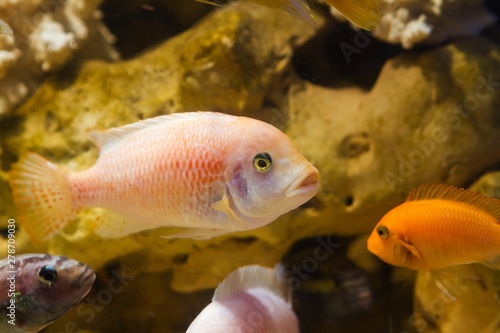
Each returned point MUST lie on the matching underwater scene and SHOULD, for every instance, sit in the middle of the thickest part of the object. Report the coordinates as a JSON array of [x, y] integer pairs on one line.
[[250, 166]]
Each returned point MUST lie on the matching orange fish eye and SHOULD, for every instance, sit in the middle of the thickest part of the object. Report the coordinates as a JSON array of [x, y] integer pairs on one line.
[[47, 274], [382, 231], [262, 162]]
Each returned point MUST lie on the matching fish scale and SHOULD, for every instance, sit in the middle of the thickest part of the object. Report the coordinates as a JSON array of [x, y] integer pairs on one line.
[[189, 188]]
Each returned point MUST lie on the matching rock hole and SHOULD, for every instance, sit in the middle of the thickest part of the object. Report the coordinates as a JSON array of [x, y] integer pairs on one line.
[[339, 56], [348, 201], [246, 240], [181, 258], [354, 145], [137, 26]]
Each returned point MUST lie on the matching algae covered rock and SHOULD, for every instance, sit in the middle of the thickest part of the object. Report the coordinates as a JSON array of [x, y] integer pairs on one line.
[[431, 117], [372, 147], [46, 35], [438, 125], [230, 62]]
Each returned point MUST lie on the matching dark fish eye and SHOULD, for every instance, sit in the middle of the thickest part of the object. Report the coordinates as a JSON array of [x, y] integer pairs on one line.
[[382, 231], [47, 274], [262, 162]]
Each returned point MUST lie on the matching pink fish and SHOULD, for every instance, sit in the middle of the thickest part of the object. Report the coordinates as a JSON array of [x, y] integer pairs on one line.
[[204, 173], [250, 299]]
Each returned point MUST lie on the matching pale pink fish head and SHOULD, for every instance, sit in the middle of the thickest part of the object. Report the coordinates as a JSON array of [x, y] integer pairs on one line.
[[266, 174]]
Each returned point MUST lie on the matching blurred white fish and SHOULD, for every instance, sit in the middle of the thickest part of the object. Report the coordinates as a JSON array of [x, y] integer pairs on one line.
[[250, 299], [5, 29]]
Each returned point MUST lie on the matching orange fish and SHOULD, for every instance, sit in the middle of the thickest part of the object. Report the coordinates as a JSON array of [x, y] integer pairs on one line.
[[437, 227], [204, 173]]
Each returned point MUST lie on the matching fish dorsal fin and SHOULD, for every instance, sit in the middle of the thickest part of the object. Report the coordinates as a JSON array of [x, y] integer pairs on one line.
[[248, 277], [448, 192], [105, 139]]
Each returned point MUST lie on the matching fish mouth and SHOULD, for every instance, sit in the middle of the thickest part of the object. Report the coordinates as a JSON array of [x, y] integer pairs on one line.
[[87, 278], [306, 182], [369, 246]]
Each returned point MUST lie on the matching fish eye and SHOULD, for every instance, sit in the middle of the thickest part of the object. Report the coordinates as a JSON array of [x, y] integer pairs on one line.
[[382, 231], [47, 274], [262, 162]]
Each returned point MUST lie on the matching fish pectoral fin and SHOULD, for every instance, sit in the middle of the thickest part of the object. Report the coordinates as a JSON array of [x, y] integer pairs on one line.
[[408, 248], [224, 206], [194, 233], [110, 224]]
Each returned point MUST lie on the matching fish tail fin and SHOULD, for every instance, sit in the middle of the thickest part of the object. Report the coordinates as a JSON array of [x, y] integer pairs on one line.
[[364, 13], [42, 195]]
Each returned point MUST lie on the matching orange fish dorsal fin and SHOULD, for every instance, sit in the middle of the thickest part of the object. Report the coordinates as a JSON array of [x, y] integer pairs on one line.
[[448, 192], [106, 139]]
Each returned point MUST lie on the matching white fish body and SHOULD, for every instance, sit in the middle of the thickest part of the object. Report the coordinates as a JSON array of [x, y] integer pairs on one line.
[[250, 299]]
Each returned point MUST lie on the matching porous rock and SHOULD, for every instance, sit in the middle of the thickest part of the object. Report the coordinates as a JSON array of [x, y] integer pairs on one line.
[[46, 35], [372, 147], [411, 22]]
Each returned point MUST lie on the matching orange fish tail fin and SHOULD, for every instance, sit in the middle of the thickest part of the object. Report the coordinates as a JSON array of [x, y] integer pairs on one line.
[[42, 196]]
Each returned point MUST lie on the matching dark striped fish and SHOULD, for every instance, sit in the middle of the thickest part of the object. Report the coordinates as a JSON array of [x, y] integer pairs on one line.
[[36, 289]]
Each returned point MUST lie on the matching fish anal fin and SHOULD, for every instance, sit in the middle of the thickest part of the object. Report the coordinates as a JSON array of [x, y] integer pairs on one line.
[[452, 281], [452, 193], [193, 233], [110, 224], [253, 276]]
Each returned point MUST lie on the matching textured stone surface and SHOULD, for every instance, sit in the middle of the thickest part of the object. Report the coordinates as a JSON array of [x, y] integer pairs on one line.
[[411, 22], [46, 35], [431, 117]]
